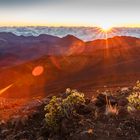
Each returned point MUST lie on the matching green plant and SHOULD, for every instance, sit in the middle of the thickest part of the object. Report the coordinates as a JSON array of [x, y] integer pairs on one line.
[[53, 112], [134, 98], [59, 108]]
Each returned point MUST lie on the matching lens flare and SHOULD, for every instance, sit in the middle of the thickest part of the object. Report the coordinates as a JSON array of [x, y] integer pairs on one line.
[[38, 70], [5, 89]]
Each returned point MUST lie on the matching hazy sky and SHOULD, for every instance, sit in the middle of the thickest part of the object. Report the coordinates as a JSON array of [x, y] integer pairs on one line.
[[70, 12]]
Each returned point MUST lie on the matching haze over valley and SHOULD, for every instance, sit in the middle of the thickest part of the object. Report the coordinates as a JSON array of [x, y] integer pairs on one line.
[[83, 33]]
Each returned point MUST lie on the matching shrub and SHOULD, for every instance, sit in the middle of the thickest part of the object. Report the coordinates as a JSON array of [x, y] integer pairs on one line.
[[53, 112], [59, 108], [134, 98]]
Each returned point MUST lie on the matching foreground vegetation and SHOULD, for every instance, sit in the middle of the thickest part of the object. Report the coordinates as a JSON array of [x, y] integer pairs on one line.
[[59, 108], [108, 115]]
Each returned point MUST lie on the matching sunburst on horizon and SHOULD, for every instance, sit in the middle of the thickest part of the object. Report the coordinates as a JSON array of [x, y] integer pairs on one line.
[[106, 27]]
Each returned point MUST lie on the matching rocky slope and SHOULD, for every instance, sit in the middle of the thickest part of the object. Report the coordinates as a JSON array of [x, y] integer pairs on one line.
[[92, 122]]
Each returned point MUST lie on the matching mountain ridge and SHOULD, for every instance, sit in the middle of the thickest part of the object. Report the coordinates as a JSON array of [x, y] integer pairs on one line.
[[69, 63]]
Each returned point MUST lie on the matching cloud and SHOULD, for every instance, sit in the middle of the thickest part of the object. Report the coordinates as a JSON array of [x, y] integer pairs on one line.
[[80, 3], [8, 2], [22, 2]]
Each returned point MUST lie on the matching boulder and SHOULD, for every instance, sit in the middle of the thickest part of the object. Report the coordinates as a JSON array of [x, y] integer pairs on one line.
[[123, 102], [84, 109], [100, 100], [83, 135]]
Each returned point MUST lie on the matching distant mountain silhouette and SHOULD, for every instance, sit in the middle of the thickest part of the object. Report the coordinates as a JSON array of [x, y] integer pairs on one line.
[[28, 48], [67, 62]]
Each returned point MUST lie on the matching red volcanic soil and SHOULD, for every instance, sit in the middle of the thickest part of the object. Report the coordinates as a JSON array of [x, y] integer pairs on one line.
[[95, 65], [10, 107], [80, 72]]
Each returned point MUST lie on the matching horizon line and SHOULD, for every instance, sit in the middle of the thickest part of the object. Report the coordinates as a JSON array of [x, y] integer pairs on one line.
[[60, 26], [98, 25]]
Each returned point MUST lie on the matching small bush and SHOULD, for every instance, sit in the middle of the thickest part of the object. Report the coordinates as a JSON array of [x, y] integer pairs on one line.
[[53, 112], [59, 108], [134, 98]]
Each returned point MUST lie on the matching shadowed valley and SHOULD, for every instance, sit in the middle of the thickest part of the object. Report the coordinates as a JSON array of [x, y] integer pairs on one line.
[[66, 62]]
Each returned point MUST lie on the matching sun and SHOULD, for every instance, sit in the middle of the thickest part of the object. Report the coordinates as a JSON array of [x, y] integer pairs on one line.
[[105, 27]]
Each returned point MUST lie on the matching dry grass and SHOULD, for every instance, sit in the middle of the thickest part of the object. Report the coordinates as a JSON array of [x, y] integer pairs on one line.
[[110, 110]]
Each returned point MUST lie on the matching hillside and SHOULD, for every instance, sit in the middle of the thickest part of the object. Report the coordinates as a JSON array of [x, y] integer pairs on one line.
[[67, 62]]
